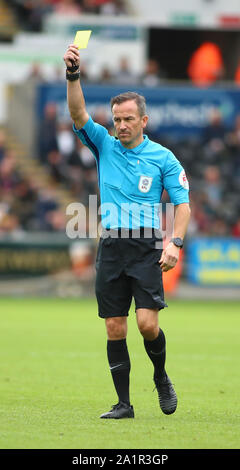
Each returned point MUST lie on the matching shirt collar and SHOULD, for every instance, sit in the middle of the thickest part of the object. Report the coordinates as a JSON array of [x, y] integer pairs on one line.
[[137, 149]]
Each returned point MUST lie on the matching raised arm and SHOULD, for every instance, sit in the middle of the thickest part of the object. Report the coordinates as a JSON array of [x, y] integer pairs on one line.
[[75, 97]]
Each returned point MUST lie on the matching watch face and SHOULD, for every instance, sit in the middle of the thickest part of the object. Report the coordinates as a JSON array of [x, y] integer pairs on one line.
[[178, 242]]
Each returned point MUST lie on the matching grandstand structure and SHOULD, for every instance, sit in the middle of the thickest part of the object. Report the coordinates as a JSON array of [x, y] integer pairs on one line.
[[43, 168]]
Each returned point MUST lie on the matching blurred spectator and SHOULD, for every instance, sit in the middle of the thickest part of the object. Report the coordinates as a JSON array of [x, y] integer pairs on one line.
[[114, 7], [45, 203], [90, 6], [82, 173], [75, 173], [218, 227], [101, 117], [56, 221], [213, 187], [9, 175], [199, 222], [84, 72], [24, 203], [106, 75], [215, 128], [124, 75], [85, 156], [65, 140], [59, 75], [57, 166], [60, 160], [236, 229], [47, 139], [2, 144], [233, 143], [104, 7], [9, 223], [214, 136], [67, 7], [206, 65], [35, 75], [30, 13], [151, 75], [237, 75]]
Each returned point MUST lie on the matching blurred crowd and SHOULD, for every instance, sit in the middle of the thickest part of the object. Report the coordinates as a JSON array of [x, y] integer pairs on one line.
[[24, 204], [31, 13], [212, 164], [67, 160], [123, 75]]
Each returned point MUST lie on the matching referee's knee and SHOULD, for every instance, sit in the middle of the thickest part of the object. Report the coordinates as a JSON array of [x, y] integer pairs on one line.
[[147, 321], [116, 328], [149, 330]]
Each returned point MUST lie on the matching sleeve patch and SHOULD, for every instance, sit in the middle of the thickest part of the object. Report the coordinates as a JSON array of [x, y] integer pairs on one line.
[[183, 180]]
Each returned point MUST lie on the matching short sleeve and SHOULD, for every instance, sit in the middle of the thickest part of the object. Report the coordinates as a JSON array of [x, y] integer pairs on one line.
[[92, 135], [175, 181]]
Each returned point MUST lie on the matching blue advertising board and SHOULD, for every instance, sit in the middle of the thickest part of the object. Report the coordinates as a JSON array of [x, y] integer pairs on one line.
[[213, 261], [179, 111]]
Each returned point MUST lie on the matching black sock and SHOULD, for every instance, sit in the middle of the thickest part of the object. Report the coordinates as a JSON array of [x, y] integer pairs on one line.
[[156, 351], [119, 363]]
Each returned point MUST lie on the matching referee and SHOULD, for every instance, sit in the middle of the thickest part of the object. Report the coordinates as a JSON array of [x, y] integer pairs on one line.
[[132, 170]]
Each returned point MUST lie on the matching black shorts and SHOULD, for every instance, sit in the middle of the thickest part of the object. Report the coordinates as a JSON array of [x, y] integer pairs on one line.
[[128, 268]]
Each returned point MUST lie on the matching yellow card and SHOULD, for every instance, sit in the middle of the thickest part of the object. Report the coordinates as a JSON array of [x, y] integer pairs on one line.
[[82, 38]]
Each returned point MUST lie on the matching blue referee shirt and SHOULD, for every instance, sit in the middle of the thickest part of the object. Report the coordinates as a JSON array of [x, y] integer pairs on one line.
[[131, 181]]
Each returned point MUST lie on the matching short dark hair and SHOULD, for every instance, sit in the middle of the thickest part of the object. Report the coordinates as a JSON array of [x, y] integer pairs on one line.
[[131, 95]]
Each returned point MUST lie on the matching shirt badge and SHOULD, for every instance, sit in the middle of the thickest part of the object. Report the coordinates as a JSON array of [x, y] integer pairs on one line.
[[145, 183], [183, 180]]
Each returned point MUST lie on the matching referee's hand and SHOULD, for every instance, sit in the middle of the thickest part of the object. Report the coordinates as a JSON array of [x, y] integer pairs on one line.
[[72, 56], [169, 257]]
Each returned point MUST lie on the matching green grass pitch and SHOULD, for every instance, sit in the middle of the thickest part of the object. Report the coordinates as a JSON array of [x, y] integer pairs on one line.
[[55, 381]]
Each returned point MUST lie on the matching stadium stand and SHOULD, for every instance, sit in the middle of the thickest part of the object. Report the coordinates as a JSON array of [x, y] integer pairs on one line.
[[29, 15], [30, 199]]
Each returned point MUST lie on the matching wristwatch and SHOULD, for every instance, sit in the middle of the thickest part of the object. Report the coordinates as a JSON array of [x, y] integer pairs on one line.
[[177, 242], [72, 76]]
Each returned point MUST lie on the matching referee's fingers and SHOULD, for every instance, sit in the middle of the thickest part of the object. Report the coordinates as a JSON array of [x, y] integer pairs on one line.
[[165, 267], [162, 257], [168, 263]]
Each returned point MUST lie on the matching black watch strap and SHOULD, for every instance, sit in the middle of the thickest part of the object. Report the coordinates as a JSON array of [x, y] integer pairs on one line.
[[72, 76], [177, 242]]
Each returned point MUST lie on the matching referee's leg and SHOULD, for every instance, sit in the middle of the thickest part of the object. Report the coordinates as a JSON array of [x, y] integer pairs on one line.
[[119, 363], [118, 357], [155, 346], [154, 339]]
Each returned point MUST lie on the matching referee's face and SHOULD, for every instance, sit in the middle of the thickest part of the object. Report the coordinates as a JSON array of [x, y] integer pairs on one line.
[[128, 123]]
